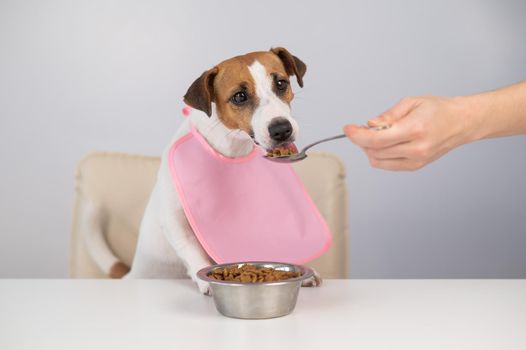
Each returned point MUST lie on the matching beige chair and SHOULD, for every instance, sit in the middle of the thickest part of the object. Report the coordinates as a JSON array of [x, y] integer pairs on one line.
[[121, 184]]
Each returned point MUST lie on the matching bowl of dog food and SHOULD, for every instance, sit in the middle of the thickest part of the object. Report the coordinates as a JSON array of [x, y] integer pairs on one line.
[[255, 290]]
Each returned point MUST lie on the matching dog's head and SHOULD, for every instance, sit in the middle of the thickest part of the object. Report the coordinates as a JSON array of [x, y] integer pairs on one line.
[[252, 93]]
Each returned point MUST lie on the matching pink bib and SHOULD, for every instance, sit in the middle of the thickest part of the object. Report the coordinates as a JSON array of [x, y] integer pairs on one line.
[[245, 209]]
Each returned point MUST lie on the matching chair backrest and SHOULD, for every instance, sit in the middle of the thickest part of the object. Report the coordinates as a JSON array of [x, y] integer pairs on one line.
[[121, 185]]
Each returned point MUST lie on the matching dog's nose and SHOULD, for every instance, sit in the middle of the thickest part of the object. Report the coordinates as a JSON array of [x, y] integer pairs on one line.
[[280, 129]]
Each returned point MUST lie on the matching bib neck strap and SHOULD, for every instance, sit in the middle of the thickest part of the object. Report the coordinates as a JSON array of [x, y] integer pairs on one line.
[[186, 111]]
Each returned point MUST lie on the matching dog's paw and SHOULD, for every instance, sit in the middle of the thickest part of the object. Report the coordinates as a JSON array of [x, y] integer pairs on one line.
[[119, 270], [314, 281], [204, 288]]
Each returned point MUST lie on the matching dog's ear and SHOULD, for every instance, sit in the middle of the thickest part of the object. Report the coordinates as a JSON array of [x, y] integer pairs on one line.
[[293, 65], [200, 94]]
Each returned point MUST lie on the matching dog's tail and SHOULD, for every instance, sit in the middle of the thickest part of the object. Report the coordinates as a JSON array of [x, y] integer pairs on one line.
[[91, 228]]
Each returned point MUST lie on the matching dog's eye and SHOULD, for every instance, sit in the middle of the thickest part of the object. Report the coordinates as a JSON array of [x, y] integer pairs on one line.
[[239, 98], [281, 85]]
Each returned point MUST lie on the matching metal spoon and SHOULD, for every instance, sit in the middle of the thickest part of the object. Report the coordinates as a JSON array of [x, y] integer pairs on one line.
[[302, 154]]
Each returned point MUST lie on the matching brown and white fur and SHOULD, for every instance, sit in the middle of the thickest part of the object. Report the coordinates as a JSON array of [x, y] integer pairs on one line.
[[240, 101]]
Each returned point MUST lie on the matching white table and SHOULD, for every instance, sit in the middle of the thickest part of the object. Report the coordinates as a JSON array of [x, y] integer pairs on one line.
[[343, 314]]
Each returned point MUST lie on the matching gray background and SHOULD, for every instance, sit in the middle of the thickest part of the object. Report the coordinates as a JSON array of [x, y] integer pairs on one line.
[[109, 75]]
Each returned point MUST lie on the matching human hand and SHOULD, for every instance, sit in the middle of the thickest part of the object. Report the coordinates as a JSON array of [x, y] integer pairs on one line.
[[422, 130]]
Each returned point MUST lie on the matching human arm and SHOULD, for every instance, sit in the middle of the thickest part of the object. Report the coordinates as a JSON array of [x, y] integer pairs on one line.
[[425, 128]]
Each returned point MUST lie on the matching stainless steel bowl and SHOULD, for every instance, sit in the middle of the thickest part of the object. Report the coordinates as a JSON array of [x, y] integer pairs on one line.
[[256, 300]]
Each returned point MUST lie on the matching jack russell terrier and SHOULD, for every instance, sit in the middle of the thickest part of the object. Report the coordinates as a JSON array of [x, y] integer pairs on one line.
[[240, 102]]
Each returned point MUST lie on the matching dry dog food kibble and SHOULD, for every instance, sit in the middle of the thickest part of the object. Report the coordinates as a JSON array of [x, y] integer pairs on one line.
[[281, 152], [251, 273]]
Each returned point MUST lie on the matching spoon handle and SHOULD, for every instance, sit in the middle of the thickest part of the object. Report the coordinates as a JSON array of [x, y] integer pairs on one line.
[[323, 140], [376, 128]]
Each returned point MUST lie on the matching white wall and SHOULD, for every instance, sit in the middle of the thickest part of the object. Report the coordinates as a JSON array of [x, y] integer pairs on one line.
[[109, 75]]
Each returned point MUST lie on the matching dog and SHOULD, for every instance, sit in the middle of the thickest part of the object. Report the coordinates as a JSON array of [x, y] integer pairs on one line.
[[242, 101]]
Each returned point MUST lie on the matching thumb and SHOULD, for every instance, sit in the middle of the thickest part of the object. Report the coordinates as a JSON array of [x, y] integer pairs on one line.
[[395, 113]]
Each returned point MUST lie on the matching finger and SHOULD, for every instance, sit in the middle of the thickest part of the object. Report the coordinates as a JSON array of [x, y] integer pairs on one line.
[[402, 150], [396, 164], [395, 113], [376, 139]]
